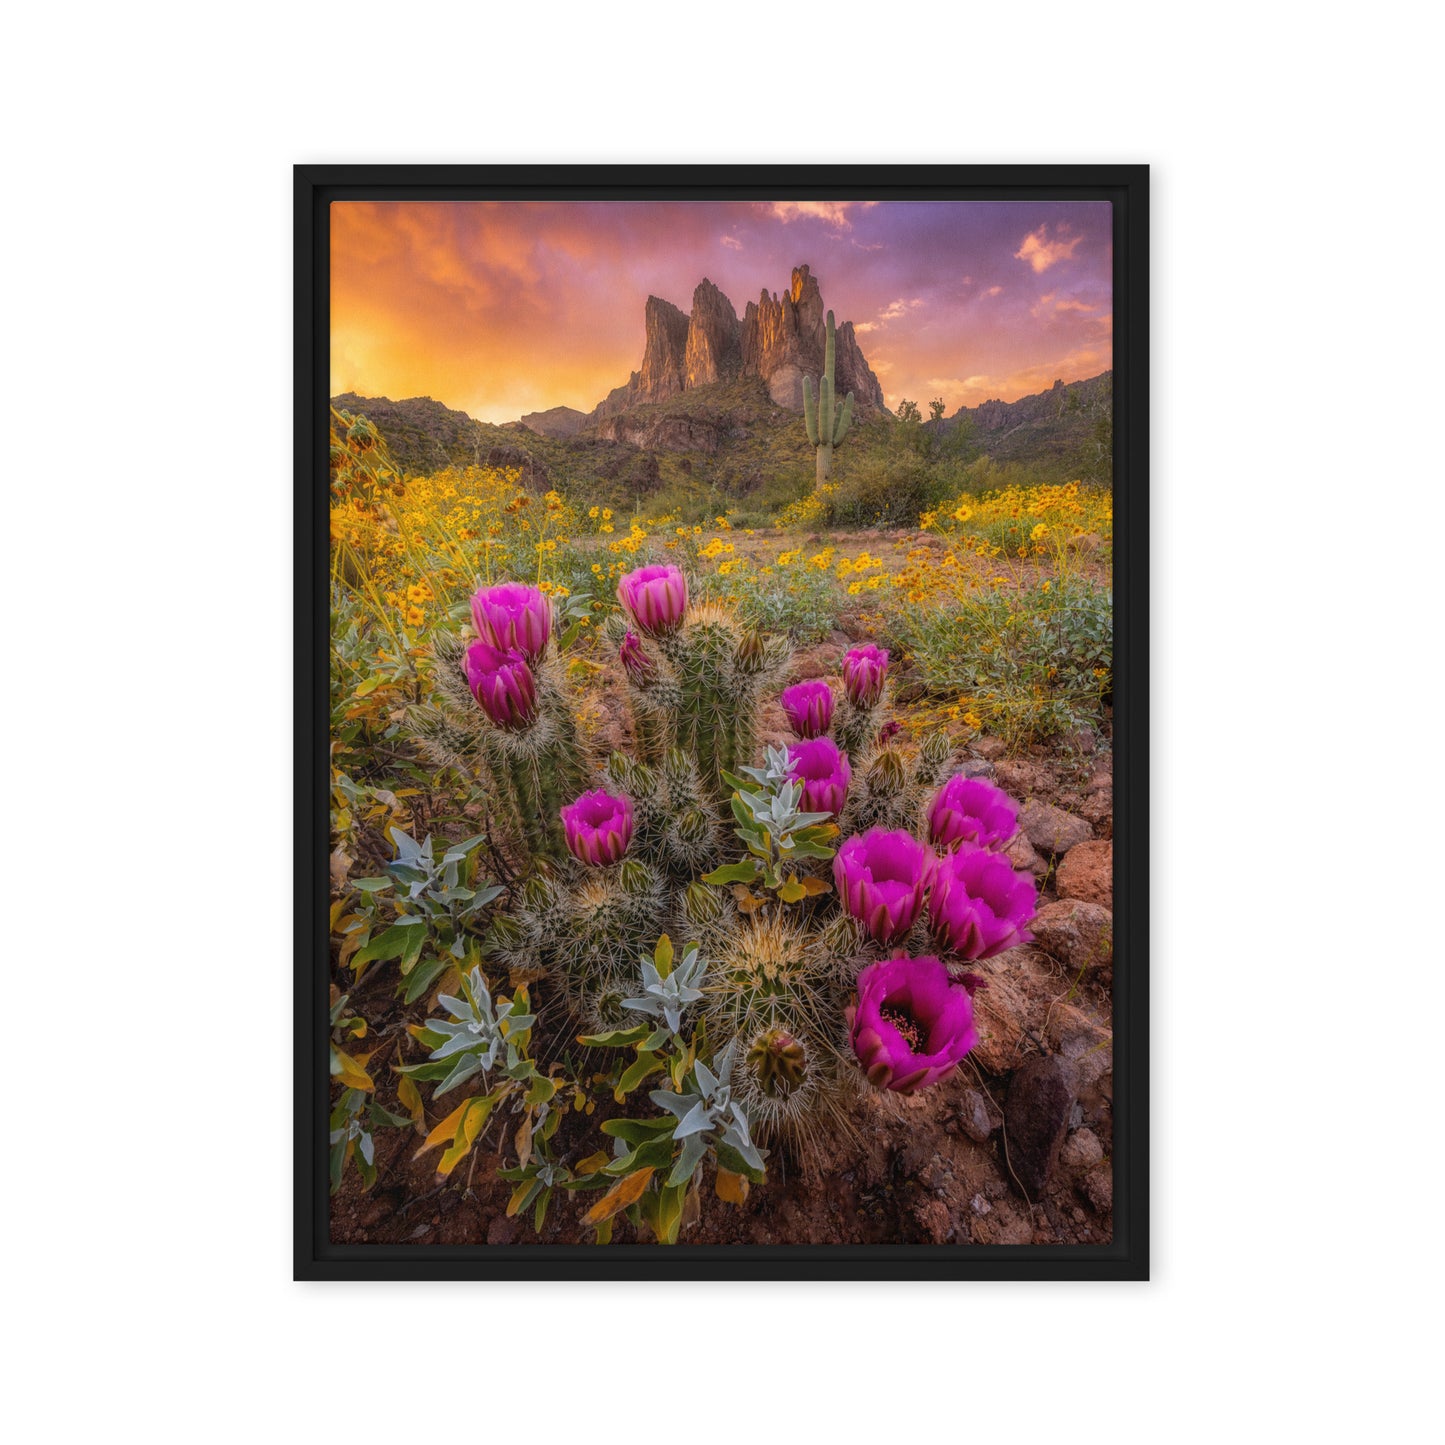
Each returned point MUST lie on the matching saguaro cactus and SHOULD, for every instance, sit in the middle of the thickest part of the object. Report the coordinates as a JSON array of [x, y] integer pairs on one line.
[[826, 421]]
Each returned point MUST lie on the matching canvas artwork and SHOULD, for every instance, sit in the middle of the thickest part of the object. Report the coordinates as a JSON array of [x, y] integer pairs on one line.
[[721, 733]]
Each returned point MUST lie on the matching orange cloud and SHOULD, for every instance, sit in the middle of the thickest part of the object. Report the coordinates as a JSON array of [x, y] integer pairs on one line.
[[1041, 252], [834, 213], [1055, 305]]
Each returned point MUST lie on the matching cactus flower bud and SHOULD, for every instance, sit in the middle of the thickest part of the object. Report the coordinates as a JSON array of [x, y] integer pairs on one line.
[[598, 827], [809, 706], [513, 616], [865, 669], [502, 684], [911, 1023], [640, 667], [886, 773], [824, 773], [979, 905], [655, 598], [750, 650], [778, 1062], [881, 876]]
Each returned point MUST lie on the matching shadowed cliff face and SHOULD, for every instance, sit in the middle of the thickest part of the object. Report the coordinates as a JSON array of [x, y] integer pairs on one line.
[[780, 339]]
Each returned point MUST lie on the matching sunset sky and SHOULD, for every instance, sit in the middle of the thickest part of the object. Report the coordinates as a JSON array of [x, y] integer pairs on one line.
[[500, 308]]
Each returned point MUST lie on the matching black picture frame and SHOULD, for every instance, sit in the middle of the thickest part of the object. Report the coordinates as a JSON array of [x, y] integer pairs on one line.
[[1126, 186]]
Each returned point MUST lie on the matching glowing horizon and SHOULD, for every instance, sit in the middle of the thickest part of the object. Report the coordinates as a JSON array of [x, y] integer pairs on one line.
[[501, 308]]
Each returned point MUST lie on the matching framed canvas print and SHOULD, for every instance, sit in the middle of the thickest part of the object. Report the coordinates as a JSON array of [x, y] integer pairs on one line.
[[721, 722]]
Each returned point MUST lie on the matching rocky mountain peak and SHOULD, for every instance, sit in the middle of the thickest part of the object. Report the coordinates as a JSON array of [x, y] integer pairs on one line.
[[779, 339]]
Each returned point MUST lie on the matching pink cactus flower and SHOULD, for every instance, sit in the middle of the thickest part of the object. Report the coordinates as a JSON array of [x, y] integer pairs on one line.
[[809, 706], [979, 904], [824, 773], [865, 669], [513, 616], [598, 826], [881, 877], [655, 598], [911, 1024], [503, 684], [970, 810]]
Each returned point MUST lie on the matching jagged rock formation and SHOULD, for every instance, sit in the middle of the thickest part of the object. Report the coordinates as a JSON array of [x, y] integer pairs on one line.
[[780, 340], [713, 352], [783, 340]]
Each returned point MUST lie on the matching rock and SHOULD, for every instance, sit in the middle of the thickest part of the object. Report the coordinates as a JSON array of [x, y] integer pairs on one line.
[[503, 1230], [1082, 740], [977, 768], [1078, 934], [783, 339], [1086, 1044], [1021, 854], [1081, 1150], [1023, 984], [1098, 1187], [1036, 1117], [1088, 874], [1098, 806], [980, 1205], [664, 356], [663, 433], [1050, 829], [990, 748], [713, 351], [934, 1219], [973, 1115], [1018, 778]]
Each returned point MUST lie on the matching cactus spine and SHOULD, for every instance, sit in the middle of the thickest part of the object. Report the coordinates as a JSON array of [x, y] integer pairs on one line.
[[827, 422]]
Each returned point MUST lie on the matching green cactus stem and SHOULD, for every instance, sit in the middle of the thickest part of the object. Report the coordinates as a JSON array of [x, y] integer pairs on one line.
[[827, 422]]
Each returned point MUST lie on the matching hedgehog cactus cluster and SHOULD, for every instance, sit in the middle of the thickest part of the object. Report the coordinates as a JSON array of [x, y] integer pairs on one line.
[[825, 895]]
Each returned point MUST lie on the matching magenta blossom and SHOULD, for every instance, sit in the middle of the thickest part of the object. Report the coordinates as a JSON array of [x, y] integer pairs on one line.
[[970, 810], [978, 904], [809, 706], [911, 1024], [502, 683], [513, 616], [655, 598], [881, 876], [864, 672], [598, 826], [640, 667], [824, 773]]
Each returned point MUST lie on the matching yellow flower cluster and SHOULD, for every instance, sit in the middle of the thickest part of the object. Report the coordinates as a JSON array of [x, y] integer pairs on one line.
[[810, 511]]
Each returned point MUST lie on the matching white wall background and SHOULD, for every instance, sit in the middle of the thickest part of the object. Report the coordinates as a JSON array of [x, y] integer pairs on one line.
[[1297, 530]]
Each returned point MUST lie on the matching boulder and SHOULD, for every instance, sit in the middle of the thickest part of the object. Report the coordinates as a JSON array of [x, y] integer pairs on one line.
[[973, 1116], [1078, 934], [1020, 852], [1098, 1187], [1088, 873], [934, 1220], [1041, 1098], [1050, 829], [1081, 1150]]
